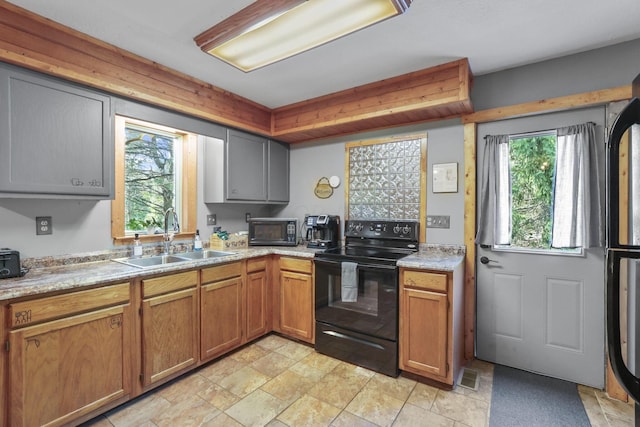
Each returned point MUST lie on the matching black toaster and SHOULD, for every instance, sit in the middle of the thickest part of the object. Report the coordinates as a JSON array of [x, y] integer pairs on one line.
[[9, 263]]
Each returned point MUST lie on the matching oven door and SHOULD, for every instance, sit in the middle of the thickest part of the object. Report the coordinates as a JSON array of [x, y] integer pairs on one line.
[[373, 311]]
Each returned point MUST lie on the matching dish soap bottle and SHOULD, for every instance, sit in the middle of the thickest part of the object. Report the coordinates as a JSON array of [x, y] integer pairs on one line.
[[197, 243], [137, 246]]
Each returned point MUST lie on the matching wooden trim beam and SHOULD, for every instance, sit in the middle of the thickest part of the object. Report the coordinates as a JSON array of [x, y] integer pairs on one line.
[[561, 103], [470, 133]]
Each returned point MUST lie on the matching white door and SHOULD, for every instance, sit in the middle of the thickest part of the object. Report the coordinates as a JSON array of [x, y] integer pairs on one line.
[[537, 310]]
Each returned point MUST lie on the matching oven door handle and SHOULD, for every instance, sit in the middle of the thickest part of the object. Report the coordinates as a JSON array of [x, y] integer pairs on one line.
[[350, 338], [360, 266]]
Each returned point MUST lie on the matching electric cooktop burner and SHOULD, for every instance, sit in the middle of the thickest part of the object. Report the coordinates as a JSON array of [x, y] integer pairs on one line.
[[379, 241]]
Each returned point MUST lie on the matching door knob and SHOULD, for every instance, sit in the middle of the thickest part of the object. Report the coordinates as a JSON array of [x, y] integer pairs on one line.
[[486, 260]]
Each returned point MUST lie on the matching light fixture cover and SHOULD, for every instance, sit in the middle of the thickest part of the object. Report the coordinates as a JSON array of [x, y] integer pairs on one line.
[[268, 31]]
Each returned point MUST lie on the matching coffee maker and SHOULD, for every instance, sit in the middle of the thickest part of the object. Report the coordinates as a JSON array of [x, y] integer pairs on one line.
[[323, 231]]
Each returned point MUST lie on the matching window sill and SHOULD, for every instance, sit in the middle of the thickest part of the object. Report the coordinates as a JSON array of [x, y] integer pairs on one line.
[[151, 238]]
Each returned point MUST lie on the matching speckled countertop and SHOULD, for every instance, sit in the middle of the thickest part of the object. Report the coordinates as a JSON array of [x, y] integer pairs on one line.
[[435, 257], [75, 276]]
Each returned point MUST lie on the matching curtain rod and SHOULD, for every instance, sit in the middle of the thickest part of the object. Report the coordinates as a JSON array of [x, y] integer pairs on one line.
[[524, 134]]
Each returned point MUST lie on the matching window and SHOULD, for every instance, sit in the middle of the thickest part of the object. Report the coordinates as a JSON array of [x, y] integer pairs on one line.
[[532, 164], [155, 170]]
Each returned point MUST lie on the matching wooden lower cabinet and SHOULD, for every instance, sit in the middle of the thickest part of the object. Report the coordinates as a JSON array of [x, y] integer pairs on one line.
[[431, 324], [66, 359], [74, 355], [220, 310], [257, 298], [424, 332], [296, 297], [169, 315]]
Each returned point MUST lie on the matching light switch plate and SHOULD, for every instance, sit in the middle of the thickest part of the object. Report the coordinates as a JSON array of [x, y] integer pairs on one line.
[[43, 225], [438, 221]]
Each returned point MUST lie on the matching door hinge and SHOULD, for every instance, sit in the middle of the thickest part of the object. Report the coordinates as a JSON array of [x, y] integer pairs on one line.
[[140, 311], [447, 365], [7, 346], [141, 378]]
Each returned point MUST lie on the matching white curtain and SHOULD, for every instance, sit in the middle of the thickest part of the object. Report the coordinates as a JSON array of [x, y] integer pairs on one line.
[[494, 217], [577, 207]]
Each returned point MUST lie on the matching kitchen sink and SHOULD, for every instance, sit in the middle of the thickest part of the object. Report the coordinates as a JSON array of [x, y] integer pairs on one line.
[[154, 261], [204, 254], [150, 261]]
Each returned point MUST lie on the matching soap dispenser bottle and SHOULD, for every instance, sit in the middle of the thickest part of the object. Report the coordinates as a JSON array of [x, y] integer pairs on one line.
[[137, 246], [197, 243]]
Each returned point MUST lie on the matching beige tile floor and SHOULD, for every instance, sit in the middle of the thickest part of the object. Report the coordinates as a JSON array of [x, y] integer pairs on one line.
[[278, 382]]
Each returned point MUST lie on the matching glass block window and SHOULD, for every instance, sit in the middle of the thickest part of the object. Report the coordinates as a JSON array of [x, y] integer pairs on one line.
[[386, 179]]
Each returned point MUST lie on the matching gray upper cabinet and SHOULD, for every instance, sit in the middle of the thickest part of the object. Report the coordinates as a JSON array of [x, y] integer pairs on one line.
[[55, 138], [278, 170], [245, 168]]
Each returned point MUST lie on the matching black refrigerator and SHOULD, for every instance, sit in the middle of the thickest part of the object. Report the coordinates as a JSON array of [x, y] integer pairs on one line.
[[623, 247]]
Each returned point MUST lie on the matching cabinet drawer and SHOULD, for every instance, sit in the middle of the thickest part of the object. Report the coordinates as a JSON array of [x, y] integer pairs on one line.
[[425, 280], [256, 264], [220, 272], [296, 264], [28, 312], [170, 283]]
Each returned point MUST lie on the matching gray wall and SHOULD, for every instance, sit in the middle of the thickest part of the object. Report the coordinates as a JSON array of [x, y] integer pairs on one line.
[[82, 226], [311, 161], [596, 69]]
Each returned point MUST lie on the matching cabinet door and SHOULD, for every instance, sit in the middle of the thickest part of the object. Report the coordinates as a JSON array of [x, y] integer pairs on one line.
[[55, 138], [278, 170], [246, 167], [296, 305], [220, 317], [256, 304], [423, 332], [66, 368], [169, 334]]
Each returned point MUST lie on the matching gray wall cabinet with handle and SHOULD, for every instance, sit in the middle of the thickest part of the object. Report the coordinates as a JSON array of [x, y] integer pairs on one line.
[[245, 168], [56, 139]]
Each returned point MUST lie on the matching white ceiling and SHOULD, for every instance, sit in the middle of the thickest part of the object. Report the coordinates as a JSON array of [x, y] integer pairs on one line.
[[493, 34]]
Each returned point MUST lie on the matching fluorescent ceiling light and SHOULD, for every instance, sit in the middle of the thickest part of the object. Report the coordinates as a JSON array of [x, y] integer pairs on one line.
[[268, 31]]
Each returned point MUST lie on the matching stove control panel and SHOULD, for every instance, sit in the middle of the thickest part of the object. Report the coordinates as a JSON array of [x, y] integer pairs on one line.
[[382, 229]]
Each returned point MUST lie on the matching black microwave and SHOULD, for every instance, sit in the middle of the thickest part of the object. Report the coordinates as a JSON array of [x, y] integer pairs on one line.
[[273, 231]]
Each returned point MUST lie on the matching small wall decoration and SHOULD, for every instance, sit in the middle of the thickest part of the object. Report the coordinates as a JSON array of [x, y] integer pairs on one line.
[[323, 189], [445, 178]]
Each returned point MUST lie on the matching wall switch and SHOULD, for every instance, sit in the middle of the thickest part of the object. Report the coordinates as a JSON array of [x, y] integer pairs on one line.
[[43, 225], [438, 221], [211, 219]]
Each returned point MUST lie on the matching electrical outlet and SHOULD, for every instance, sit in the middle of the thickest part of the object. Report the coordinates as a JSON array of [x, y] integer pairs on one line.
[[247, 216], [438, 221], [211, 219], [43, 225]]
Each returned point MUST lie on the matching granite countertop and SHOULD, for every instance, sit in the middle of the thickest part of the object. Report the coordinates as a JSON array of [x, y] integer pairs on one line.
[[435, 257], [75, 276]]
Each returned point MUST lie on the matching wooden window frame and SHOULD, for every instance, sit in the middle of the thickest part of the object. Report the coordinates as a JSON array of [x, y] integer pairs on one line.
[[187, 212]]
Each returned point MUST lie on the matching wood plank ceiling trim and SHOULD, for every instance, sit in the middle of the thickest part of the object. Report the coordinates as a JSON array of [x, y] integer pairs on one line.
[[37, 43], [34, 42], [434, 93]]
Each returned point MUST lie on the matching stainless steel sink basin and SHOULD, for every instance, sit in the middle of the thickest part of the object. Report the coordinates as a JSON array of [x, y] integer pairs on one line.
[[150, 261], [154, 261], [204, 254]]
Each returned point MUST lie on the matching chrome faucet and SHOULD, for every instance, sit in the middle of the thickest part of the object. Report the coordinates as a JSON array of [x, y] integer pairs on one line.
[[168, 237]]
